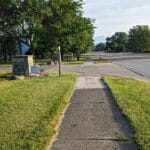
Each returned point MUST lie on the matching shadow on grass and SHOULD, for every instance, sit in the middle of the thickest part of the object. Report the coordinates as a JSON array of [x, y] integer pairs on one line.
[[4, 75], [7, 76]]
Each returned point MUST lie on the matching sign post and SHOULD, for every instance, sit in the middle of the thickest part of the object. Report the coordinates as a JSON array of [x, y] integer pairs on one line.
[[59, 53]]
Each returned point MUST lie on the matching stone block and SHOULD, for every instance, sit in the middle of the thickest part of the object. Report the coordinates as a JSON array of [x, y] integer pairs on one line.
[[22, 65]]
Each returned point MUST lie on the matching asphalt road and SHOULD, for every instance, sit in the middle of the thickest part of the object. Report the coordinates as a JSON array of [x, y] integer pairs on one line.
[[137, 63]]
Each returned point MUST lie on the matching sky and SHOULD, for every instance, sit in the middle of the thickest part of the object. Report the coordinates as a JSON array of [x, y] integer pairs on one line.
[[116, 15]]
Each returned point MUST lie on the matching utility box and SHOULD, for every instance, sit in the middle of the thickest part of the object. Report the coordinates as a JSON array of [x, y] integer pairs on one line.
[[22, 65]]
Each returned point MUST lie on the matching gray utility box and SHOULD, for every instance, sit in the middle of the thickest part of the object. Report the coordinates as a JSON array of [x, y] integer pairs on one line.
[[22, 65]]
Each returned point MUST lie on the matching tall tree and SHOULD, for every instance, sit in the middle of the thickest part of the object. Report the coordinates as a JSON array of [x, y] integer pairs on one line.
[[100, 47], [9, 20], [117, 42], [139, 39], [43, 25], [32, 14], [67, 27], [83, 35], [58, 26]]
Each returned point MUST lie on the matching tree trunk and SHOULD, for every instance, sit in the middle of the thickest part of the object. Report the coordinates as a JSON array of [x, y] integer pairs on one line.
[[6, 53], [78, 56]]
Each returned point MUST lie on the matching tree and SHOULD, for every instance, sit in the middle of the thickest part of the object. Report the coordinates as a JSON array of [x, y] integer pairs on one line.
[[58, 26], [22, 20], [100, 47], [83, 35], [117, 42], [67, 28], [8, 23], [32, 14], [43, 25], [139, 39]]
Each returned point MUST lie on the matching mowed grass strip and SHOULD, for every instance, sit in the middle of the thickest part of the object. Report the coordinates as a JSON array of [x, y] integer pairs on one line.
[[3, 75], [133, 97], [5, 64], [101, 60], [74, 61], [30, 109]]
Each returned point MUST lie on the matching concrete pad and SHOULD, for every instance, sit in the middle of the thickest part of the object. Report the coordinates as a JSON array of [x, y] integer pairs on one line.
[[89, 83]]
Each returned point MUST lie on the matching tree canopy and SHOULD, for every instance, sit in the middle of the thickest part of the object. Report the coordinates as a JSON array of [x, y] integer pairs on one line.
[[137, 40], [117, 42], [43, 25], [100, 47]]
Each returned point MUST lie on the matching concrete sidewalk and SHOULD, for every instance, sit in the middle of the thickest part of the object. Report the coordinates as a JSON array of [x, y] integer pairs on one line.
[[93, 121]]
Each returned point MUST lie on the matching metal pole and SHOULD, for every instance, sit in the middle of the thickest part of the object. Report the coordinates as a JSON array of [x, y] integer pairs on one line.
[[59, 51]]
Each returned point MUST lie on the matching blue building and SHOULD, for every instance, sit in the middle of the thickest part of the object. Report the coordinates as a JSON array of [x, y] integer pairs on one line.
[[22, 49]]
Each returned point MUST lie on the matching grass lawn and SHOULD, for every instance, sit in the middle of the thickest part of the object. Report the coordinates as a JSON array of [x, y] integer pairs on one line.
[[101, 60], [65, 62], [41, 61], [133, 97], [75, 61], [3, 75], [30, 109], [5, 64]]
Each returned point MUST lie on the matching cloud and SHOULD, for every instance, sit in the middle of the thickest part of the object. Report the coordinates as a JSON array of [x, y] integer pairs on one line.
[[116, 15]]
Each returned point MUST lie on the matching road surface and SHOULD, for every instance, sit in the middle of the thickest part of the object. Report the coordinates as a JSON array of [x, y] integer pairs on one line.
[[137, 63]]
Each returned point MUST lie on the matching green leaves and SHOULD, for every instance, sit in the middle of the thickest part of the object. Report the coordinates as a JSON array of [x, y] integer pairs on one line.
[[139, 39], [117, 42], [46, 24], [67, 27]]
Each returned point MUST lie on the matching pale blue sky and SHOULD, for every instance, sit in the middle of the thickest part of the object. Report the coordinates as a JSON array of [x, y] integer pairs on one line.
[[116, 15]]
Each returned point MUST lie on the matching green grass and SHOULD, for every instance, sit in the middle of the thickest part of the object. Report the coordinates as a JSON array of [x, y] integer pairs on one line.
[[42, 61], [65, 62], [133, 97], [5, 64], [30, 109], [101, 60], [75, 61], [4, 74]]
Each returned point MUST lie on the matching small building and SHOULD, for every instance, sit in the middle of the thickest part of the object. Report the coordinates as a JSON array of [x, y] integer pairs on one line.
[[22, 48]]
